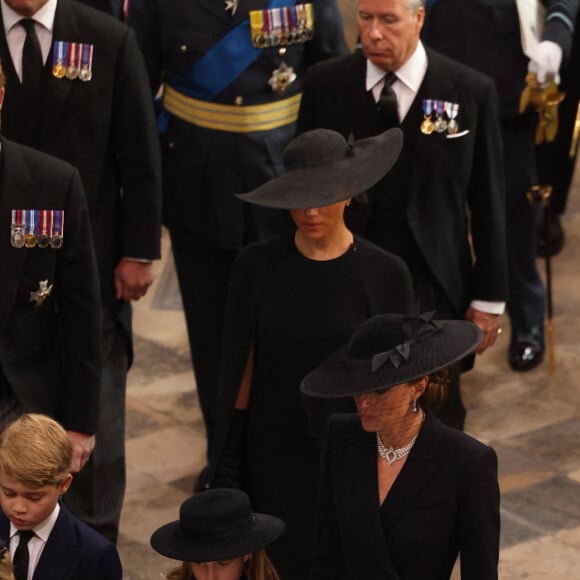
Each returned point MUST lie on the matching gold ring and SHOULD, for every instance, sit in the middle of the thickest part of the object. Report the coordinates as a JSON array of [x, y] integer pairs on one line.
[[499, 331]]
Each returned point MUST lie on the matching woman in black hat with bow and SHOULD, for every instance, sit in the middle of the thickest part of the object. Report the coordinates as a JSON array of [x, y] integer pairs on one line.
[[219, 537], [402, 494], [291, 302]]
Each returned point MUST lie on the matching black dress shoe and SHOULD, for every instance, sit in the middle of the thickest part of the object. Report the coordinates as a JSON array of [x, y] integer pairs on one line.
[[551, 239], [527, 349]]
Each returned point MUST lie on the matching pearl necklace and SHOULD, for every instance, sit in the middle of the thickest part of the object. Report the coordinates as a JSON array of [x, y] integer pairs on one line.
[[391, 455]]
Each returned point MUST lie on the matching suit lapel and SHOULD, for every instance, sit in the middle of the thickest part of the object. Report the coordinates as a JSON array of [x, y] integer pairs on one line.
[[362, 475], [417, 473], [15, 183], [57, 90], [59, 552]]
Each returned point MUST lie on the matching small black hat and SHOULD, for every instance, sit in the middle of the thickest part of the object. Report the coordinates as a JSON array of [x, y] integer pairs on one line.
[[391, 349], [216, 525], [322, 168]]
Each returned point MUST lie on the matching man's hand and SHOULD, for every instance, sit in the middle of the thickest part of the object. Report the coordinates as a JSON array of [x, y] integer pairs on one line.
[[132, 279], [489, 324], [83, 446], [546, 61]]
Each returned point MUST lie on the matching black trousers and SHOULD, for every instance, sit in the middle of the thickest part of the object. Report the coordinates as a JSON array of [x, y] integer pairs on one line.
[[203, 274]]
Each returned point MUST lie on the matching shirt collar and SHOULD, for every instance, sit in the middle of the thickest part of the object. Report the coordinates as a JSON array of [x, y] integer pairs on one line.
[[44, 16], [43, 529], [411, 74]]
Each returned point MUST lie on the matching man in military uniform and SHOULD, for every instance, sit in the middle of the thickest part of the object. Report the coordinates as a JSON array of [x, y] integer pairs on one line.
[[77, 88], [50, 355], [232, 74], [485, 34]]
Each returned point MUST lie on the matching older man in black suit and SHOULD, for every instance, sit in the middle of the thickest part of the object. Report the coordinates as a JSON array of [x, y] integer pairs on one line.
[[50, 356], [77, 88], [448, 182]]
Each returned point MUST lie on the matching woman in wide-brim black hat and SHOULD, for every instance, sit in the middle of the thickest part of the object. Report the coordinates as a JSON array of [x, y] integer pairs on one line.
[[219, 537], [291, 302], [401, 494]]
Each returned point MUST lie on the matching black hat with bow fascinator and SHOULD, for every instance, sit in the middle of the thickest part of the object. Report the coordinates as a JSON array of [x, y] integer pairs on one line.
[[391, 349]]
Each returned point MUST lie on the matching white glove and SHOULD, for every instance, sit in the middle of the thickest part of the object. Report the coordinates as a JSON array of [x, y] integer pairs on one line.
[[545, 62]]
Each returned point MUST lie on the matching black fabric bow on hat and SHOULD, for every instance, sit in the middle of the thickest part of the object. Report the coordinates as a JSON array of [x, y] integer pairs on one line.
[[413, 330]]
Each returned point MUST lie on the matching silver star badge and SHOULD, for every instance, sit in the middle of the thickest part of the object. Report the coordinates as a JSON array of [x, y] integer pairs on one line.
[[282, 78], [231, 6], [40, 295]]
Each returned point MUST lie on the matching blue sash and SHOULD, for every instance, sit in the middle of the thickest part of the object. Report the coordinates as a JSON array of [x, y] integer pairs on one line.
[[222, 64]]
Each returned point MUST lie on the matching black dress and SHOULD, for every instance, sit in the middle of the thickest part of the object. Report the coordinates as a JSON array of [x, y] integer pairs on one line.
[[297, 311]]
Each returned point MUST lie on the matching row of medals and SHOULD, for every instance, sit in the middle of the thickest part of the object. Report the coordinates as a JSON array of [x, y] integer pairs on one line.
[[282, 26], [72, 70], [439, 125], [19, 239]]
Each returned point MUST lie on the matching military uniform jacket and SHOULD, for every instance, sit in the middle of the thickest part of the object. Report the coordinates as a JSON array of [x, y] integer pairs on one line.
[[203, 167], [50, 353], [105, 128]]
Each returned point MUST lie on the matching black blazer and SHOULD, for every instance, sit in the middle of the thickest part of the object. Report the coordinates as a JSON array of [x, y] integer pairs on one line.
[[445, 501], [105, 128], [444, 177], [74, 551], [50, 354]]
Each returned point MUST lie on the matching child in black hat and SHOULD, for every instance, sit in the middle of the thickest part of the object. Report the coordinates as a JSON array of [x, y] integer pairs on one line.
[[219, 537]]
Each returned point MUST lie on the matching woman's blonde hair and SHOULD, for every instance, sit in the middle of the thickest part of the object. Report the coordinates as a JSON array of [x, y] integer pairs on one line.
[[258, 567]]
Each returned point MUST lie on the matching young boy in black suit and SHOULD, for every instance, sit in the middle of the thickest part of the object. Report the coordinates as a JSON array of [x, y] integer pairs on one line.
[[43, 536]]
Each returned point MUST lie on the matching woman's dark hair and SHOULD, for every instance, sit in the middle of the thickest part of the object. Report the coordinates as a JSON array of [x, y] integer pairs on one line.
[[436, 390]]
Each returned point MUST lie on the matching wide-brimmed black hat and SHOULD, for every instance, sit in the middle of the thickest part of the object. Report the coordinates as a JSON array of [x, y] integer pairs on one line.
[[322, 168], [216, 525], [390, 349]]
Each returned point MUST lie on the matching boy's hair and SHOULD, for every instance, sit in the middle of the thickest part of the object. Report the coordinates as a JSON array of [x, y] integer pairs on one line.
[[36, 451]]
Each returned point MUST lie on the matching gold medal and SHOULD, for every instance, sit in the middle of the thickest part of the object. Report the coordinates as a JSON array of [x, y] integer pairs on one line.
[[58, 70], [30, 240], [427, 126]]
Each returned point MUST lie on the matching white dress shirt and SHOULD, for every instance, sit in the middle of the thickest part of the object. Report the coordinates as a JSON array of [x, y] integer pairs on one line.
[[37, 542], [16, 35]]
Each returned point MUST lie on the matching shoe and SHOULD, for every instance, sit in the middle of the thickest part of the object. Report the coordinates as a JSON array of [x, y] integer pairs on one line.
[[551, 241], [527, 349]]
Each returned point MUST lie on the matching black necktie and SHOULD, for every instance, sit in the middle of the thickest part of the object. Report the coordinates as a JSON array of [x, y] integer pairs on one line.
[[31, 58], [20, 560], [387, 104]]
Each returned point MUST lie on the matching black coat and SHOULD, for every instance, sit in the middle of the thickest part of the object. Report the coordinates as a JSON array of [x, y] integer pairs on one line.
[[49, 354], [444, 501], [442, 177], [105, 128]]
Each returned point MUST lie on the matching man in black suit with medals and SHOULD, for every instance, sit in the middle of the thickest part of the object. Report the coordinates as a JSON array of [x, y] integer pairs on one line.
[[50, 320], [447, 185], [77, 88]]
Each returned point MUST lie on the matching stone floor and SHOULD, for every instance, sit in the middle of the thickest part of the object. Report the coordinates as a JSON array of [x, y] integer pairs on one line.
[[532, 420]]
